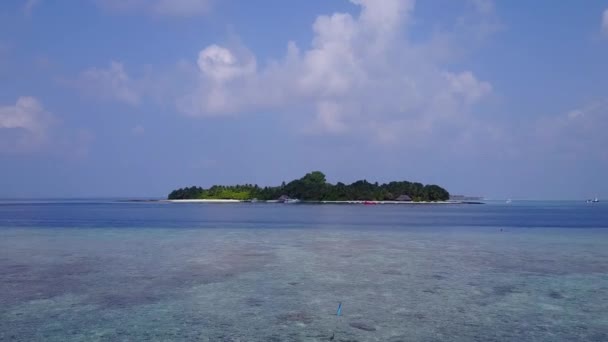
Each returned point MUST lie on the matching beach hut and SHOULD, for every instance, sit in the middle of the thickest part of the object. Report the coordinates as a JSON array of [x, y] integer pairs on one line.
[[404, 198]]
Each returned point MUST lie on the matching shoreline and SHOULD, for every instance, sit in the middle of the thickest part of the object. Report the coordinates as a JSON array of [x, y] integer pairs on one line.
[[203, 201], [225, 201]]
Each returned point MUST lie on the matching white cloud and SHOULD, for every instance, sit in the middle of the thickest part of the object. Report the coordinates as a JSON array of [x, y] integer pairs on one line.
[[360, 74], [24, 114], [112, 83], [329, 117], [27, 127], [221, 65], [177, 8], [221, 72], [605, 22], [24, 126], [467, 86]]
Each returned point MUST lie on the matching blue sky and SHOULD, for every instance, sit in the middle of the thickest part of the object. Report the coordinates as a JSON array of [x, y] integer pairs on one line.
[[506, 99]]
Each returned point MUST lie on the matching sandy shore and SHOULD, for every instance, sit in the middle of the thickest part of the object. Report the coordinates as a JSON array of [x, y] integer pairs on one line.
[[205, 201], [311, 202], [388, 202]]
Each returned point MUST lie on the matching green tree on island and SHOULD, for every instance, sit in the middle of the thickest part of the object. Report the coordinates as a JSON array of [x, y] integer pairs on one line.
[[314, 187]]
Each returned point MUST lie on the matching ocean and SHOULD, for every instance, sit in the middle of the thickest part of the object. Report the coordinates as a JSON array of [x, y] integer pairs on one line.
[[109, 270]]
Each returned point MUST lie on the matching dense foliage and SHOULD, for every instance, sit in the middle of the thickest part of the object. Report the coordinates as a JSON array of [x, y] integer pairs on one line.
[[314, 187]]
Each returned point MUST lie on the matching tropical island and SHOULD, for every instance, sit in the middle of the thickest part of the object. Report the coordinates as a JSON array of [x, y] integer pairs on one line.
[[313, 187]]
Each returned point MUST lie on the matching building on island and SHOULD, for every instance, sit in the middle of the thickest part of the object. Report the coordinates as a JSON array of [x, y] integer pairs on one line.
[[283, 198], [404, 198]]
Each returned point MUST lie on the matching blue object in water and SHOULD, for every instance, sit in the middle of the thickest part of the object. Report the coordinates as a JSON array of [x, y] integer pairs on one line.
[[339, 312]]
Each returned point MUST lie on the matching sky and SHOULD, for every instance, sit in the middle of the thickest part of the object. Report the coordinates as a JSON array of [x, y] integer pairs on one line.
[[134, 98]]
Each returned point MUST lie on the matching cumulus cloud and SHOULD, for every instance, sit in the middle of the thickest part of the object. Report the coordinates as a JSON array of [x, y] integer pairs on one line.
[[177, 8], [605, 22], [221, 65], [24, 125], [27, 127], [360, 74], [221, 73], [467, 86], [112, 83]]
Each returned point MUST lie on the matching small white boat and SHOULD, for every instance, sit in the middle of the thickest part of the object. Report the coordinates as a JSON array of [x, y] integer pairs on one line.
[[509, 201]]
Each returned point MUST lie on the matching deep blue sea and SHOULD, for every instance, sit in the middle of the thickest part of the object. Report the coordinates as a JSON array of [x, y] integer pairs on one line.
[[110, 270]]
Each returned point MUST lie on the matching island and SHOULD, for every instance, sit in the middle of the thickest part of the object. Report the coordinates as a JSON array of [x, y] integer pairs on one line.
[[313, 187]]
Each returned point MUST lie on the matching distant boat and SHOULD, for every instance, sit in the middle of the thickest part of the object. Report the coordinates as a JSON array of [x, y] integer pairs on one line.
[[509, 201], [291, 201], [595, 200]]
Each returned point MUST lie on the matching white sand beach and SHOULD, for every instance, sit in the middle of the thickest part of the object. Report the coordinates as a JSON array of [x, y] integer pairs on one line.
[[205, 201], [311, 202]]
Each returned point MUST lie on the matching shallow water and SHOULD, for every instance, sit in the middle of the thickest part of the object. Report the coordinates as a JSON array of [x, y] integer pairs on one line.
[[100, 271]]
